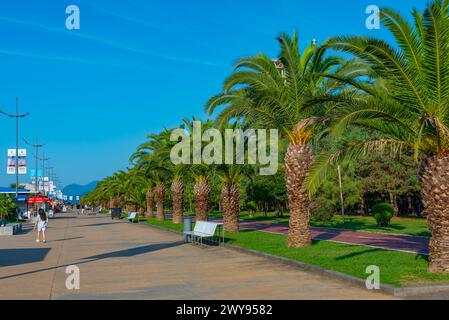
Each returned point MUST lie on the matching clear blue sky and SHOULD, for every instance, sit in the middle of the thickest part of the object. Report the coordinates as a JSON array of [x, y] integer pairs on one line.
[[135, 67]]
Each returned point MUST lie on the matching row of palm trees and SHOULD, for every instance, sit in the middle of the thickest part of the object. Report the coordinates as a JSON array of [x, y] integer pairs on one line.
[[151, 173], [398, 92]]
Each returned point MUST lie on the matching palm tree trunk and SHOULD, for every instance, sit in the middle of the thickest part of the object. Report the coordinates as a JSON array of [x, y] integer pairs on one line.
[[115, 202], [160, 194], [177, 190], [297, 163], [150, 202], [435, 189], [231, 207], [202, 192]]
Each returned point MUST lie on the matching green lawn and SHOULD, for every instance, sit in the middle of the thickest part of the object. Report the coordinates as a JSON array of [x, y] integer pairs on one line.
[[397, 268], [410, 226]]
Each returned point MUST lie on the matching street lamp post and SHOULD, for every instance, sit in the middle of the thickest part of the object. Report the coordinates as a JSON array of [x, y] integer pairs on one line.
[[37, 146], [16, 116], [43, 170]]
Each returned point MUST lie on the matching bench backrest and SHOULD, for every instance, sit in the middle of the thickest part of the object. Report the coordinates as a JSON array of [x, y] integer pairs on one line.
[[199, 226], [132, 215], [205, 227]]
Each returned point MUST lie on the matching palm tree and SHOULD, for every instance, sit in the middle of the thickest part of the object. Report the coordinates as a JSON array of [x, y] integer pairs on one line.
[[160, 196], [136, 191], [150, 201], [115, 188], [406, 101], [175, 173], [275, 94], [139, 185], [202, 190], [230, 176], [201, 173], [151, 157], [177, 192]]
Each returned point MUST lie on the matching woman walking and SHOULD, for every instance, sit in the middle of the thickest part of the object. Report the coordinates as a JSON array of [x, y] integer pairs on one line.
[[41, 225]]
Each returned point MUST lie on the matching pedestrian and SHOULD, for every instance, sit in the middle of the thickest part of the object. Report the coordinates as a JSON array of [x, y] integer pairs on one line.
[[41, 225]]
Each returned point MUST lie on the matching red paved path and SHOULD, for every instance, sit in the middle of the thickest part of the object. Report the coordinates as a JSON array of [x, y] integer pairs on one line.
[[388, 241]]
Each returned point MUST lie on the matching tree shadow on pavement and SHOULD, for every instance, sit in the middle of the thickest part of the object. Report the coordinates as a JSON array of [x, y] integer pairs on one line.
[[135, 251], [58, 217], [67, 239], [15, 257], [98, 224], [115, 254]]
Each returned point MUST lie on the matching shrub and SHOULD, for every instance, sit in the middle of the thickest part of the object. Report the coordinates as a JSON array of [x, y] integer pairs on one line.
[[7, 207], [321, 211], [383, 212]]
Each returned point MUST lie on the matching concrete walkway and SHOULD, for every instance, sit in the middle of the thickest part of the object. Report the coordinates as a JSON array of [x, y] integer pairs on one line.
[[120, 260]]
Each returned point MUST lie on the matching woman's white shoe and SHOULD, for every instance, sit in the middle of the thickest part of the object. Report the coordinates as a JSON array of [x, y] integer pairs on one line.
[[37, 240]]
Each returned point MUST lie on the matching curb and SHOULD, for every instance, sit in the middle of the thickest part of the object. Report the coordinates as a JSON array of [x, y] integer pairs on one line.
[[400, 292], [335, 275]]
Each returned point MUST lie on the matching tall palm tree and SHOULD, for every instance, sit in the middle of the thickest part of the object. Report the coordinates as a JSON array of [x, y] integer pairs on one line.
[[154, 171], [230, 176], [177, 193], [151, 157], [201, 173], [150, 201], [175, 173], [275, 94], [160, 196], [406, 101], [115, 188], [202, 191], [136, 191]]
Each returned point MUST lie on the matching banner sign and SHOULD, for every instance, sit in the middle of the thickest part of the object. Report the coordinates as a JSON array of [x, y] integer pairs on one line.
[[11, 169], [33, 175]]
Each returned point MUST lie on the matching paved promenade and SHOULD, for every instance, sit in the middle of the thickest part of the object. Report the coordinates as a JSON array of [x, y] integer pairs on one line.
[[120, 260]]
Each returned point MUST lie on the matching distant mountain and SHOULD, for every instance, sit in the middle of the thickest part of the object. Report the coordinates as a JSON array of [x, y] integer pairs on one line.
[[79, 190]]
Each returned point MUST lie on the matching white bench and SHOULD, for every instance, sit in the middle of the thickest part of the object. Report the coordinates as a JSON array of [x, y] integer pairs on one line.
[[204, 230], [132, 217]]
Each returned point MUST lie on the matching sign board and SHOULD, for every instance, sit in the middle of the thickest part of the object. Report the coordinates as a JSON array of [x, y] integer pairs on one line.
[[21, 159]]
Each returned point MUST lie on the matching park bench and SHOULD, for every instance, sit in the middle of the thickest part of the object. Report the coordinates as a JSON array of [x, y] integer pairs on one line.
[[204, 231], [10, 229], [132, 217]]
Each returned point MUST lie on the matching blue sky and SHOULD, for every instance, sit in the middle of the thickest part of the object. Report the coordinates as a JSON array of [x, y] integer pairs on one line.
[[135, 67]]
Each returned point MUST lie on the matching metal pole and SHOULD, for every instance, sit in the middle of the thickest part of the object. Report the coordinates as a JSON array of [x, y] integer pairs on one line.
[[36, 183], [341, 195], [16, 116], [43, 170], [17, 149], [36, 156]]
